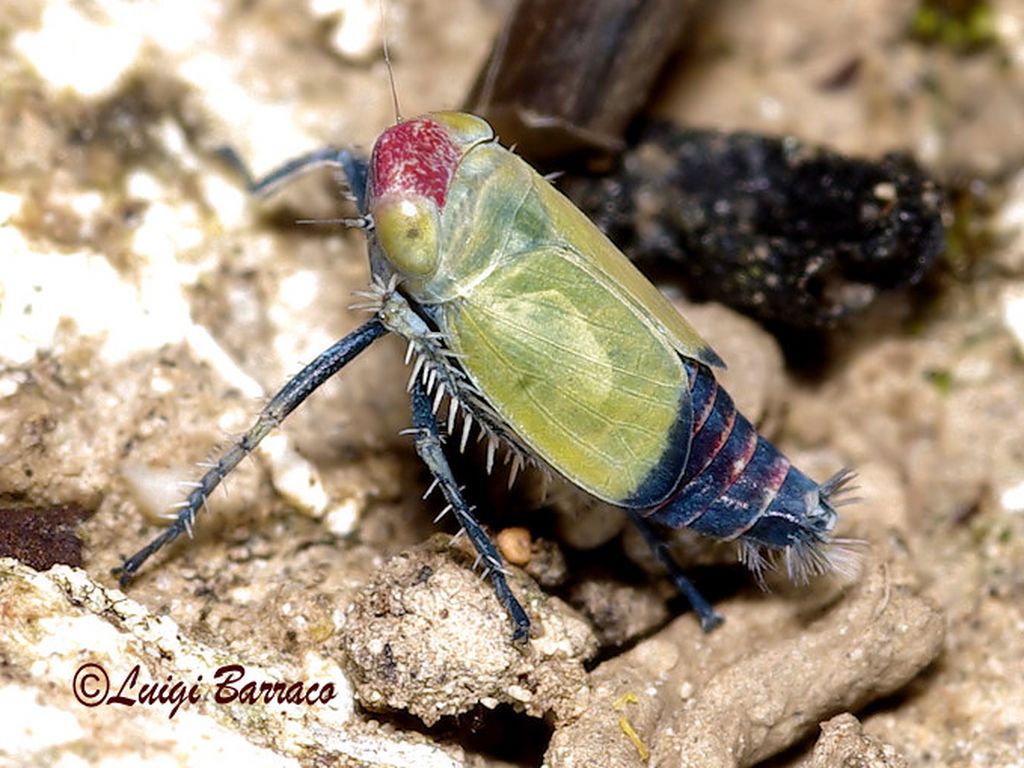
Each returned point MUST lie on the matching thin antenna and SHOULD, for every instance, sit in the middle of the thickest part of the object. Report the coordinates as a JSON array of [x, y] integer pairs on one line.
[[486, 95], [387, 60]]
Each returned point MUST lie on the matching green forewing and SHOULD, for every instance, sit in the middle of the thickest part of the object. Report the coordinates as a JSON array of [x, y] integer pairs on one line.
[[569, 344], [574, 370], [606, 261], [497, 206]]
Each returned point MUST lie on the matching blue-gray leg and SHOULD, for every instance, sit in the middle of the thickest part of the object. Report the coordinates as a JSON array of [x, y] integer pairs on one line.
[[353, 166], [709, 619], [284, 402], [428, 446]]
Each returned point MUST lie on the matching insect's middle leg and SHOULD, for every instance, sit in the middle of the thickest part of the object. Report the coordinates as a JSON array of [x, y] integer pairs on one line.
[[709, 618], [332, 360], [428, 446]]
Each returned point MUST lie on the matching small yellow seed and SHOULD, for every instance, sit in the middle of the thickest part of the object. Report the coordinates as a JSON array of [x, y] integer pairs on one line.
[[515, 545]]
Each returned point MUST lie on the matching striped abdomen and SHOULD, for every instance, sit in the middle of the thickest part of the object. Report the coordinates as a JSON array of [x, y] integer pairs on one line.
[[737, 485]]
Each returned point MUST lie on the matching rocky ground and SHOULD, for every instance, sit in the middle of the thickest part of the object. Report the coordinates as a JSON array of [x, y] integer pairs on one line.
[[148, 307]]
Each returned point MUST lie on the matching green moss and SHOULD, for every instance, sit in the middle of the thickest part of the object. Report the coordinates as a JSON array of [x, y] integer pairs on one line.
[[963, 25], [941, 379]]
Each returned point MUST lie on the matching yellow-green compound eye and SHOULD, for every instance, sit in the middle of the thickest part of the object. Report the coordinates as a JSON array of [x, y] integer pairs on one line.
[[406, 228], [465, 129]]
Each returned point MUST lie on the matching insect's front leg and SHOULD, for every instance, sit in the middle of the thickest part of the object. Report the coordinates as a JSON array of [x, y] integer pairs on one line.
[[350, 164], [428, 446], [291, 395]]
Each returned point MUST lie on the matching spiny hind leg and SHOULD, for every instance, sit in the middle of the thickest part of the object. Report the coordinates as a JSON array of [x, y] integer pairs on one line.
[[329, 362], [428, 446], [709, 618]]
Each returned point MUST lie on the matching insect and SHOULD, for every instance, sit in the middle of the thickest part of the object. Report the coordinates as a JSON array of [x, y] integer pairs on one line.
[[543, 337]]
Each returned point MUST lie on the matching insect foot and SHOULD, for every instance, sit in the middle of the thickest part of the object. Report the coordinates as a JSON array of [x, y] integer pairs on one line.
[[423, 636]]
